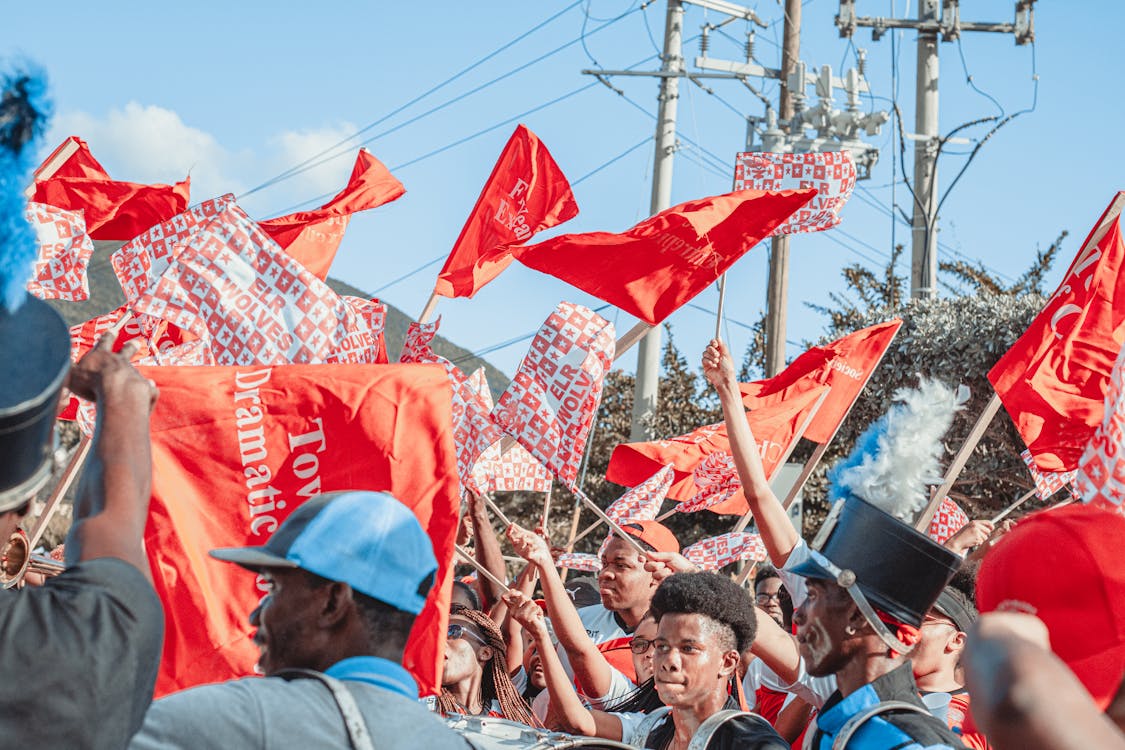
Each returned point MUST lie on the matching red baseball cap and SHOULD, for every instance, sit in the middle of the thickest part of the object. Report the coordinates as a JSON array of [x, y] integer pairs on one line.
[[1067, 567], [654, 534]]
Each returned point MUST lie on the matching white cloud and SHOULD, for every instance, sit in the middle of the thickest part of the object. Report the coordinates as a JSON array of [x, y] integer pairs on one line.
[[148, 143]]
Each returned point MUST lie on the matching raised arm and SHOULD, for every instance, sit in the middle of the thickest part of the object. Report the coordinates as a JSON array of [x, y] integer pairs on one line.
[[486, 549], [777, 531], [590, 666], [566, 712], [113, 496], [776, 648]]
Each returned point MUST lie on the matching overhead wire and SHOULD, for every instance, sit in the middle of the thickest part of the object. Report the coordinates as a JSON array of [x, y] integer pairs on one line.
[[472, 66]]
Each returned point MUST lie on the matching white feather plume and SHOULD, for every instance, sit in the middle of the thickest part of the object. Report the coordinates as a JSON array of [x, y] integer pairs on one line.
[[897, 457]]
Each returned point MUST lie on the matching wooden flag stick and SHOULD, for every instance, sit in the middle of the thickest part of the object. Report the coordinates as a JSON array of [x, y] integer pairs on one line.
[[959, 461], [48, 169], [492, 506], [719, 312], [428, 310], [73, 467], [628, 538], [468, 559], [547, 504], [744, 576], [1023, 499], [626, 341]]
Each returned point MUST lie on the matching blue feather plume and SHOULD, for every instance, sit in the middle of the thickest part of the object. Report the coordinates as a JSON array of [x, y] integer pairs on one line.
[[24, 109]]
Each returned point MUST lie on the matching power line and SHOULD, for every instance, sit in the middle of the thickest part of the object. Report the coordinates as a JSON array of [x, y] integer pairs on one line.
[[615, 159], [293, 170], [509, 342]]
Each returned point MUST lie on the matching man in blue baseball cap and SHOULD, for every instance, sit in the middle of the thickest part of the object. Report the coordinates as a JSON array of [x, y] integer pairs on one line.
[[348, 572]]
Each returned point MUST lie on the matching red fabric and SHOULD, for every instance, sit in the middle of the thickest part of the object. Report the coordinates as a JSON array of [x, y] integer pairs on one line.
[[525, 193], [81, 163], [656, 266], [958, 722], [619, 655], [774, 428], [312, 237], [1053, 379], [236, 449], [114, 210], [844, 365], [769, 703]]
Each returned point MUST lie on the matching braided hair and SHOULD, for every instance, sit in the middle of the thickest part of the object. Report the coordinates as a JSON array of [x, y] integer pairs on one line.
[[495, 684]]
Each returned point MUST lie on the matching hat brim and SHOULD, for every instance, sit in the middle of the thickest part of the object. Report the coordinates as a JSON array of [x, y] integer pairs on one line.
[[251, 558], [810, 568]]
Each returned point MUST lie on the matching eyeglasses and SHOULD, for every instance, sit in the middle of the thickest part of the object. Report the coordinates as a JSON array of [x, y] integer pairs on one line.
[[639, 646], [457, 630], [780, 595]]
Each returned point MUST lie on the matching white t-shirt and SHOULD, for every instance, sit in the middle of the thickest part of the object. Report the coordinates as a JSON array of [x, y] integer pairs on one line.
[[600, 624], [619, 687], [813, 690]]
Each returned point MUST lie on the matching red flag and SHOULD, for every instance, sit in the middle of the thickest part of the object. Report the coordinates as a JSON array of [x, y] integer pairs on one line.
[[237, 449], [64, 253], [650, 270], [550, 405], [114, 210], [473, 430], [775, 427], [832, 173], [845, 365], [256, 304], [312, 237], [71, 159], [1053, 379], [525, 193]]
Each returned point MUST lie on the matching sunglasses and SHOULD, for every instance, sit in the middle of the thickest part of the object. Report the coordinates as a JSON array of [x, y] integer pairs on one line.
[[639, 645], [457, 630]]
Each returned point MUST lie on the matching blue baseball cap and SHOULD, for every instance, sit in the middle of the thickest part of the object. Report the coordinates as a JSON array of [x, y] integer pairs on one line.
[[368, 540]]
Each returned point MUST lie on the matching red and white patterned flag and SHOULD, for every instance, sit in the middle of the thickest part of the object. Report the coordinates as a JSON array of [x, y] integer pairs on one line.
[[947, 521], [550, 405], [1047, 483], [717, 480], [64, 253], [473, 430], [717, 551], [642, 503], [832, 173], [1101, 470], [233, 283], [144, 259], [479, 381], [511, 470], [583, 561]]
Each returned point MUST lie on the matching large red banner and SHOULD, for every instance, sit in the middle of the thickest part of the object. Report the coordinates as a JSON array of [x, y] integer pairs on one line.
[[237, 449]]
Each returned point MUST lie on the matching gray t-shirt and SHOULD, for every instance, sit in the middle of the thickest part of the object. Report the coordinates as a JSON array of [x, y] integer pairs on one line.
[[268, 712], [79, 658]]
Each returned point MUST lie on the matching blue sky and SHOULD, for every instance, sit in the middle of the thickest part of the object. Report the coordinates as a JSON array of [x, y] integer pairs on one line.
[[237, 93]]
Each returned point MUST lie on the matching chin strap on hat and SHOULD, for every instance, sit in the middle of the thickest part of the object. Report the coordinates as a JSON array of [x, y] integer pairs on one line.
[[846, 580]]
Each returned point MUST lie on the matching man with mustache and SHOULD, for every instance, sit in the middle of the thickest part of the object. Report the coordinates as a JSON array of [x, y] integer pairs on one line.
[[348, 574]]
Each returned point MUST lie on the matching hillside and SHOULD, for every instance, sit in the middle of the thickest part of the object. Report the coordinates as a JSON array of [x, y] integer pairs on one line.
[[105, 295]]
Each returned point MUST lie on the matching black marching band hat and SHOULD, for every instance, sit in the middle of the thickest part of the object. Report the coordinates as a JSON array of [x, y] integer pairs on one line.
[[34, 341], [870, 547]]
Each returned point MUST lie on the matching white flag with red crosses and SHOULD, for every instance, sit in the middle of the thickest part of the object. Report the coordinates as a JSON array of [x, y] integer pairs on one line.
[[642, 503], [583, 561], [947, 521], [473, 430], [1100, 479], [144, 259], [232, 283], [717, 480], [832, 173], [717, 551], [550, 405], [64, 253], [1047, 483]]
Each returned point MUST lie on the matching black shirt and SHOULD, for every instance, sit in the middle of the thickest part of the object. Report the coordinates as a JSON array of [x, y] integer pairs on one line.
[[79, 657], [739, 733]]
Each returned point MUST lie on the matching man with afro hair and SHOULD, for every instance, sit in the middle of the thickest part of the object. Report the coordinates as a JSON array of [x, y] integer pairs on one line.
[[704, 622]]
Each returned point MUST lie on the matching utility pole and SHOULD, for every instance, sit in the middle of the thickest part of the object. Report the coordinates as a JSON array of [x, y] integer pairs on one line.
[[777, 294], [934, 19], [648, 352]]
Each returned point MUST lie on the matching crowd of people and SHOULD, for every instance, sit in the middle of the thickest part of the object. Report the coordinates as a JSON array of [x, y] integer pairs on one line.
[[875, 641]]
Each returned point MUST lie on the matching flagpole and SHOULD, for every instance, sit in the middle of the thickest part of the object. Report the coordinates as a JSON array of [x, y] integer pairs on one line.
[[1023, 499], [959, 461], [73, 467], [627, 538], [492, 506], [719, 312], [547, 505], [468, 559], [428, 310]]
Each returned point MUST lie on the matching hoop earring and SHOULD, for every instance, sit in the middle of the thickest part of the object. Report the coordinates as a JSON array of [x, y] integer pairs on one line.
[[849, 630]]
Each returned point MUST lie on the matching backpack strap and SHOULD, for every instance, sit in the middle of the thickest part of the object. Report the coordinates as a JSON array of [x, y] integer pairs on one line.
[[711, 724], [852, 725], [358, 735], [645, 727]]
